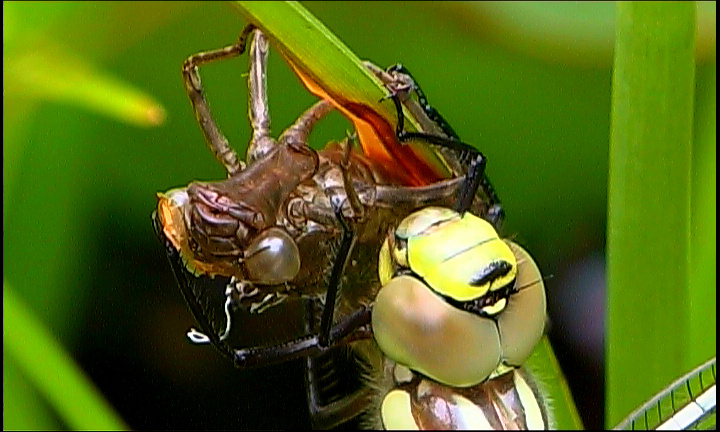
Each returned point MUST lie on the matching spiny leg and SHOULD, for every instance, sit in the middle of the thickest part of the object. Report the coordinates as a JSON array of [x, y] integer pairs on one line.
[[193, 86], [352, 328], [495, 211], [475, 176], [430, 111], [400, 82], [346, 245], [435, 128], [401, 85]]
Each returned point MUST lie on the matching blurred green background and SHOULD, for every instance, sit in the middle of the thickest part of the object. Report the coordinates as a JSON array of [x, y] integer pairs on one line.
[[528, 83]]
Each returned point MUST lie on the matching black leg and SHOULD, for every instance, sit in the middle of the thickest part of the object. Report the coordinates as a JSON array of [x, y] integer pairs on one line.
[[430, 111], [475, 176], [352, 328], [343, 256]]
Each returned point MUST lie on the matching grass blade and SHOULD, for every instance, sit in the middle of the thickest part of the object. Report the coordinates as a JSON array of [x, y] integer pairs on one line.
[[649, 201], [54, 373]]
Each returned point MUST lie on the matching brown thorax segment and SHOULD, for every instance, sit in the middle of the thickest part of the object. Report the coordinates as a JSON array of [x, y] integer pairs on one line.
[[222, 217]]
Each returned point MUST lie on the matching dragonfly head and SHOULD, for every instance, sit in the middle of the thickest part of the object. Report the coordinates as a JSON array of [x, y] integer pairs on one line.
[[458, 304], [216, 237], [459, 257]]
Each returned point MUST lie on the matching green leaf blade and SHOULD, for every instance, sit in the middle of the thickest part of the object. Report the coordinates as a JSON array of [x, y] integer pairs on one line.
[[649, 201], [56, 376]]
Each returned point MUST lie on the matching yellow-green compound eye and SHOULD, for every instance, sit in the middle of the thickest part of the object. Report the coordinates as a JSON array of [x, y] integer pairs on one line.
[[459, 257], [522, 323], [416, 327], [419, 329]]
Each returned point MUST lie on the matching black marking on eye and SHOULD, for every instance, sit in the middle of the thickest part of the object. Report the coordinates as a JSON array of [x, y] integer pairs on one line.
[[493, 271], [476, 306]]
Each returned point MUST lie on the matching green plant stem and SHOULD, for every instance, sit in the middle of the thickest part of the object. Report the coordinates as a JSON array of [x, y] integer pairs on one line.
[[649, 201]]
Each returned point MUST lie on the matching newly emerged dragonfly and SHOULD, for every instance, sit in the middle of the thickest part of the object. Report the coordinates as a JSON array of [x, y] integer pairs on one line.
[[291, 222]]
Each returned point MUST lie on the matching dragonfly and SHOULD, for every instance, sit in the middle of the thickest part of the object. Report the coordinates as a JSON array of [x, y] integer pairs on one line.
[[271, 229]]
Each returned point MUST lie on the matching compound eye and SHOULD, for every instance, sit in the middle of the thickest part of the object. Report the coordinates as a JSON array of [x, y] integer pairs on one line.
[[272, 257], [522, 322], [417, 328]]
